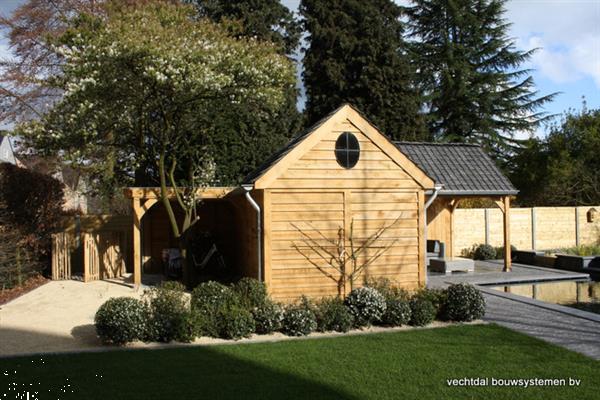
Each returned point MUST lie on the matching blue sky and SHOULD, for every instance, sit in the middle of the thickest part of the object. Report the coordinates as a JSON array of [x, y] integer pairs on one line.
[[566, 31]]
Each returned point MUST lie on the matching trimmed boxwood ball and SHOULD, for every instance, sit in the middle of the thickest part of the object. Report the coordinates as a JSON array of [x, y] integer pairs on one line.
[[208, 300], [464, 303], [397, 312], [298, 321], [121, 320], [267, 317], [251, 293], [367, 306], [212, 295], [484, 252], [170, 316], [422, 311], [333, 315], [235, 322], [437, 297]]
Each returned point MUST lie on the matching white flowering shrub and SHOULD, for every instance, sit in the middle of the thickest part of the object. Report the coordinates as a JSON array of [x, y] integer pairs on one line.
[[121, 320], [298, 321], [464, 303], [251, 292], [268, 317], [367, 305], [209, 299], [169, 314]]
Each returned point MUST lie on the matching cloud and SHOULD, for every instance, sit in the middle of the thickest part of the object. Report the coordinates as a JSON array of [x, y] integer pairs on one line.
[[567, 34]]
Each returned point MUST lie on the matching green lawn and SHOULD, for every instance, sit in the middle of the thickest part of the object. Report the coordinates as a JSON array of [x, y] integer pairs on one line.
[[400, 365]]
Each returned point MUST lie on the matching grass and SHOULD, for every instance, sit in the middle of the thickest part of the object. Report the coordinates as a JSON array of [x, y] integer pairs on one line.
[[408, 365]]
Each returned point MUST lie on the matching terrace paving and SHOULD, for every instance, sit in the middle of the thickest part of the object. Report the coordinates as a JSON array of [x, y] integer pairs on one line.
[[564, 326]]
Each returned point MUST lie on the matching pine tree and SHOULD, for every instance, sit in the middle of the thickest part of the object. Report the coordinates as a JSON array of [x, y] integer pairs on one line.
[[240, 143], [469, 71], [356, 54]]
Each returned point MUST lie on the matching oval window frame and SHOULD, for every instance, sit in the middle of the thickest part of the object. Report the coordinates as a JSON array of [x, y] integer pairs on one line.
[[347, 150]]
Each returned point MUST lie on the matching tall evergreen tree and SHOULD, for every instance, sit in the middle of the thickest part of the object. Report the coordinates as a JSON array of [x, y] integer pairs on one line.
[[469, 71], [244, 143], [356, 54]]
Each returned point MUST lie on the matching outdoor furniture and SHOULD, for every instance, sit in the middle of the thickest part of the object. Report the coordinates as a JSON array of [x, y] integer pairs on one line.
[[526, 256], [449, 265], [435, 249]]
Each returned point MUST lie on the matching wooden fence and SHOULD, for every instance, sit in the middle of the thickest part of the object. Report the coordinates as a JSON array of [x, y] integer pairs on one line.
[[538, 228], [93, 246]]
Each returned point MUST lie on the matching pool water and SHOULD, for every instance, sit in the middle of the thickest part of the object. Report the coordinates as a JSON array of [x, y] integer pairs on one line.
[[583, 295]]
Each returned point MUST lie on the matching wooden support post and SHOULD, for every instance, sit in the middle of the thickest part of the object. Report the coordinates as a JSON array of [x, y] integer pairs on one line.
[[422, 219], [266, 239], [347, 223], [137, 242], [507, 252]]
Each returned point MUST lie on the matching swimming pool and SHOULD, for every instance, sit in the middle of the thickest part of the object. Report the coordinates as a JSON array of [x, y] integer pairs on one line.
[[584, 295]]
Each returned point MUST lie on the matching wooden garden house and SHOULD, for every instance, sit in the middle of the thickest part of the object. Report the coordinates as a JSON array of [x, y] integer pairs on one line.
[[338, 174]]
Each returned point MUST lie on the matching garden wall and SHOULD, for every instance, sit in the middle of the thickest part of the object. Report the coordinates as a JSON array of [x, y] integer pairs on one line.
[[539, 228]]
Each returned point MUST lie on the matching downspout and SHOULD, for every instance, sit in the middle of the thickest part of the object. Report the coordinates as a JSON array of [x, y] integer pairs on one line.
[[436, 190], [256, 207]]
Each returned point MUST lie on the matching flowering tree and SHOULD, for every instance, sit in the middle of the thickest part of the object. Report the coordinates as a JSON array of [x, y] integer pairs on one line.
[[139, 84]]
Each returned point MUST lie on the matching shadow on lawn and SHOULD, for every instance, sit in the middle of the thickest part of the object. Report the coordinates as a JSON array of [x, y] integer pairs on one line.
[[199, 372]]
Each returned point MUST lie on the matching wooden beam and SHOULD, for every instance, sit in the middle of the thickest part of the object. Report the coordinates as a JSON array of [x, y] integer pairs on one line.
[[507, 250], [266, 239], [138, 213], [347, 223], [154, 192]]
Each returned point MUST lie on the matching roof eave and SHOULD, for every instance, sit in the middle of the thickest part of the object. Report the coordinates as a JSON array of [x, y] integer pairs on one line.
[[486, 193]]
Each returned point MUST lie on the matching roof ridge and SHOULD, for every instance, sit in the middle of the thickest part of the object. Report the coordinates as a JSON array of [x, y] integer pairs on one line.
[[436, 143]]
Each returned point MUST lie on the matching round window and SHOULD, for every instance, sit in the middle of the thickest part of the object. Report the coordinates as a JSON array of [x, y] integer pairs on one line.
[[347, 150]]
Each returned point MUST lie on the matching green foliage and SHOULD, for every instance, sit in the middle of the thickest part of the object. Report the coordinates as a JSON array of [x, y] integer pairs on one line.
[[235, 323], [500, 252], [563, 168], [31, 204], [469, 70], [209, 299], [250, 293], [143, 89], [268, 317], [582, 250], [367, 306], [387, 288], [464, 303], [298, 320], [170, 317], [267, 20], [422, 311], [356, 53], [121, 320], [437, 297], [483, 252], [397, 312], [333, 315]]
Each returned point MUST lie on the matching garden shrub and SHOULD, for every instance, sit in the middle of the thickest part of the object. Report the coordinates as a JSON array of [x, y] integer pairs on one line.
[[209, 299], [367, 305], [298, 321], [387, 288], [464, 303], [333, 315], [500, 252], [437, 297], [235, 322], [32, 203], [267, 317], [212, 295], [484, 252], [250, 292], [397, 312], [121, 320], [170, 316], [422, 311]]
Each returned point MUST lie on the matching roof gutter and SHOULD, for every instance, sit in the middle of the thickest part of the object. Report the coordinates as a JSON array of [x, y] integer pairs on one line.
[[254, 204], [434, 195]]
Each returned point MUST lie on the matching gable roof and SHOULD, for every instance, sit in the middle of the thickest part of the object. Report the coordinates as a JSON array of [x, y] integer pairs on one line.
[[295, 148], [462, 169]]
